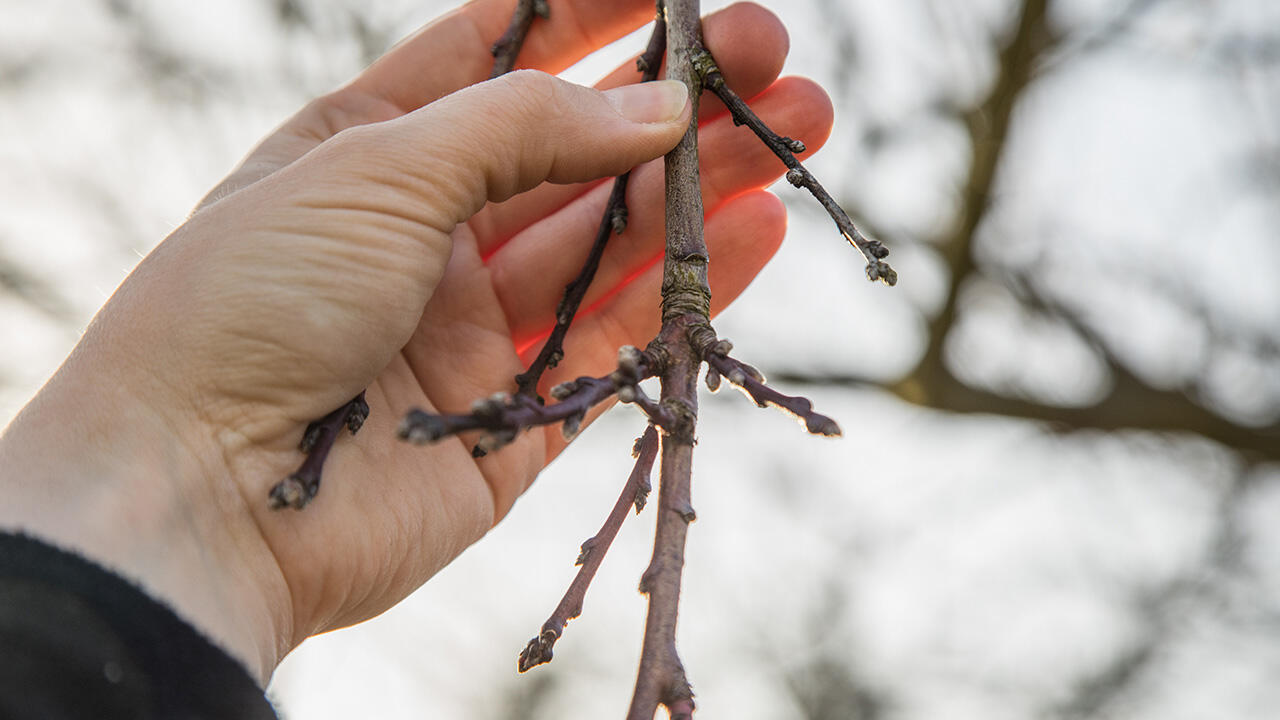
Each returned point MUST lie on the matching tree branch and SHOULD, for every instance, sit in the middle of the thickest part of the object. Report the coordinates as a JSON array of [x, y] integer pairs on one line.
[[503, 416], [508, 46], [797, 174], [753, 383], [686, 309], [634, 494], [613, 222], [299, 488]]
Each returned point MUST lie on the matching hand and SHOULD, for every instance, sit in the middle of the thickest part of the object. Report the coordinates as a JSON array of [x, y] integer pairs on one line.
[[380, 239]]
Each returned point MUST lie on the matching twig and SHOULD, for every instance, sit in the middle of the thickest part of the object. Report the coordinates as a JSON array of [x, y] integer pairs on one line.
[[613, 222], [508, 46], [752, 381], [797, 174], [503, 416], [299, 488], [634, 494]]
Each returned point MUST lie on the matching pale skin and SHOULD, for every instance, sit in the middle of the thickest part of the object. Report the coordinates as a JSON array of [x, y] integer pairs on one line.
[[408, 234]]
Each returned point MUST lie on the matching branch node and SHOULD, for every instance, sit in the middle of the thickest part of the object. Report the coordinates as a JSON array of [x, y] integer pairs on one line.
[[290, 492], [618, 219], [584, 552], [495, 440], [564, 390], [571, 427], [713, 379], [421, 428], [538, 651], [630, 360], [300, 487]]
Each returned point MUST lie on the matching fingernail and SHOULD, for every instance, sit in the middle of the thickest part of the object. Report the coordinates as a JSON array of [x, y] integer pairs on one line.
[[651, 102]]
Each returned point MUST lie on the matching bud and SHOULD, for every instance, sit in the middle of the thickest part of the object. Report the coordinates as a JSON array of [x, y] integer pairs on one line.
[[629, 358], [795, 176], [564, 390], [571, 427]]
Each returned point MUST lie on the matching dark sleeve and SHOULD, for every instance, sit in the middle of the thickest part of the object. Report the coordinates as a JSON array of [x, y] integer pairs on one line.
[[77, 641]]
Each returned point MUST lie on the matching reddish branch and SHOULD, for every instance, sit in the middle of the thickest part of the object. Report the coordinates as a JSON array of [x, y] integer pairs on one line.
[[613, 222], [634, 494], [508, 46], [686, 309], [299, 488], [797, 174], [503, 416], [719, 364]]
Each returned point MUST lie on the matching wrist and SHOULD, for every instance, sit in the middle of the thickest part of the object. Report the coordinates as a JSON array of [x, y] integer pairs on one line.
[[94, 466]]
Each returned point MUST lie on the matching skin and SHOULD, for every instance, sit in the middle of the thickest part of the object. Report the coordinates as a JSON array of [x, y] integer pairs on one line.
[[410, 233]]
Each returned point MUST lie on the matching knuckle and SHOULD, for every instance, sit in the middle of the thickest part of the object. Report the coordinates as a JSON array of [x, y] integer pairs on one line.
[[530, 91]]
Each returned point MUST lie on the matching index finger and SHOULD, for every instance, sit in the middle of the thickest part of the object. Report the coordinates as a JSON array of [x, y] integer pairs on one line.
[[453, 51]]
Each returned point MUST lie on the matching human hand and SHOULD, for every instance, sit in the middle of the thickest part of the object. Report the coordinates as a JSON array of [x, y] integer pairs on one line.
[[354, 248]]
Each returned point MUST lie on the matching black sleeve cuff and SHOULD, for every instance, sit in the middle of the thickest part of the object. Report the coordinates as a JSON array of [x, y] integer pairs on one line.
[[77, 641]]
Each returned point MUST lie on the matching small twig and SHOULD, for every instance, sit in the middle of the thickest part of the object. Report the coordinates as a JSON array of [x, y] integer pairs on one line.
[[752, 381], [798, 175], [508, 46], [634, 494], [503, 416], [299, 488], [613, 222]]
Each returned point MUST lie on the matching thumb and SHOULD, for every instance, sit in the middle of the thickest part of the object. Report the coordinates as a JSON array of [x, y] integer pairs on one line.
[[499, 138], [360, 227]]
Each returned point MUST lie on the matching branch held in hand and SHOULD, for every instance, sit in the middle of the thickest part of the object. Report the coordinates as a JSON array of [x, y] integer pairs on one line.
[[508, 46], [613, 222], [503, 416], [299, 488]]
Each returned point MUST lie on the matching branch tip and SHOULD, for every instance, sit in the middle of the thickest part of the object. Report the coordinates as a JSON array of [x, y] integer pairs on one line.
[[301, 486], [538, 651], [591, 554], [290, 492], [786, 149]]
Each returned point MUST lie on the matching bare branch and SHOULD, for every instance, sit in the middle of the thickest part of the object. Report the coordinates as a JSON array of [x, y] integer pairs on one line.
[[613, 222], [686, 304], [503, 416], [797, 174], [752, 381], [299, 488], [508, 46], [634, 493]]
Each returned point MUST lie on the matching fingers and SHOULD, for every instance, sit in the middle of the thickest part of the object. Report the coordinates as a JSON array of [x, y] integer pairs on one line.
[[440, 164], [453, 52], [443, 57], [530, 271], [741, 236], [750, 45]]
